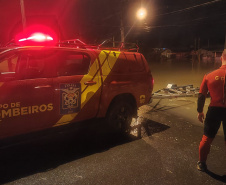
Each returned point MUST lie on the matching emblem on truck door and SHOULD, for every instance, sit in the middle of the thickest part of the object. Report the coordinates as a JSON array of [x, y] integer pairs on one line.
[[70, 98]]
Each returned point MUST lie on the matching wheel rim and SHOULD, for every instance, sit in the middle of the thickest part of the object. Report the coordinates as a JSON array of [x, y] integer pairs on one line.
[[121, 119]]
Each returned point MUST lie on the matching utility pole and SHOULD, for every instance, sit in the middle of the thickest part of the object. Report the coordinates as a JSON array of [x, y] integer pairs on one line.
[[122, 28], [195, 44], [23, 13], [208, 44], [199, 43], [113, 39], [122, 31]]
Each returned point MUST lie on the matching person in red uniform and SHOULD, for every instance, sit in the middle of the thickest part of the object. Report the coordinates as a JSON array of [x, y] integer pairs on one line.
[[214, 84]]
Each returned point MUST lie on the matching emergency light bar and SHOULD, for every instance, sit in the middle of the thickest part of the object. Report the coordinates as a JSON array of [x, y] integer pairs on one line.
[[37, 37]]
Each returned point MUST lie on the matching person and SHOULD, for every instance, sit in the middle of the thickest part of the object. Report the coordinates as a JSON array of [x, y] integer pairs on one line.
[[214, 85]]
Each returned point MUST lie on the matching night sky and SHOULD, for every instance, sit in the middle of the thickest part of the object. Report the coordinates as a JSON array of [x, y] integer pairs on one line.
[[170, 23]]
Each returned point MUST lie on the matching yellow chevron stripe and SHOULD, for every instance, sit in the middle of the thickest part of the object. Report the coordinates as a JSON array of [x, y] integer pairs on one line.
[[91, 90]]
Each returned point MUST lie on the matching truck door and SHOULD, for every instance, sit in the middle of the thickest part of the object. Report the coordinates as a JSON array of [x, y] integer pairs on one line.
[[77, 87], [11, 92], [38, 93], [26, 101]]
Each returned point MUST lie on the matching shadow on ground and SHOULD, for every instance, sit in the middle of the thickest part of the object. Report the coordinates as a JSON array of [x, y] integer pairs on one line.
[[216, 177], [48, 152], [149, 127]]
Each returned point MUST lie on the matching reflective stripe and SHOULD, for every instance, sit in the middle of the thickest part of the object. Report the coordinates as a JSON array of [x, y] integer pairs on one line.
[[94, 72]]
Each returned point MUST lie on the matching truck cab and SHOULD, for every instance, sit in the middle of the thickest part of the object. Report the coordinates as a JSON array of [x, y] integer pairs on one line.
[[43, 87]]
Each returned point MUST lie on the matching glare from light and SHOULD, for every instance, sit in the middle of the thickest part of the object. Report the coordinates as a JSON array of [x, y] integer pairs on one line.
[[21, 40], [37, 37], [141, 13], [49, 38]]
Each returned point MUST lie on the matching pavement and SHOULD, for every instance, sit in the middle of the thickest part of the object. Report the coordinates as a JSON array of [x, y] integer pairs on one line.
[[179, 143], [167, 153]]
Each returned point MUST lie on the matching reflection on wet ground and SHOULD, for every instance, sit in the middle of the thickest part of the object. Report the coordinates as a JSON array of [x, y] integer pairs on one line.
[[181, 71]]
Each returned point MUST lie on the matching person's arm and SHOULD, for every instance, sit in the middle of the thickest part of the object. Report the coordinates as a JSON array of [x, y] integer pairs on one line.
[[201, 99], [201, 102]]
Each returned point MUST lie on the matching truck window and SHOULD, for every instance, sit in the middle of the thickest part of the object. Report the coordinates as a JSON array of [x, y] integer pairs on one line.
[[127, 63], [135, 62], [120, 67], [72, 63], [8, 64], [35, 64]]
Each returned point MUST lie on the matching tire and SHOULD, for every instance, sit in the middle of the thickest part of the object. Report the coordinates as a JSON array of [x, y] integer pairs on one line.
[[119, 116]]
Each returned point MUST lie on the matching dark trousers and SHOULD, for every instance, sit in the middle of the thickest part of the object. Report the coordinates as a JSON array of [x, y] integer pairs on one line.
[[214, 117]]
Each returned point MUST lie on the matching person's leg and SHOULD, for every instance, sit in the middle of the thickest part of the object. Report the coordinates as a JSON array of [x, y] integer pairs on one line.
[[204, 148], [211, 126], [224, 123], [224, 128]]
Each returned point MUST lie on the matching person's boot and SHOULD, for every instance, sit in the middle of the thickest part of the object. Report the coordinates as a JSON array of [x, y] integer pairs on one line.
[[201, 166]]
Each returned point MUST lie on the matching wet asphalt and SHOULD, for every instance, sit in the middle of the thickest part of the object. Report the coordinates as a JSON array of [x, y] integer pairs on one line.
[[167, 153]]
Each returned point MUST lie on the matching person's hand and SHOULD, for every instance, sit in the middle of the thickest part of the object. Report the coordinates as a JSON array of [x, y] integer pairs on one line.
[[201, 117]]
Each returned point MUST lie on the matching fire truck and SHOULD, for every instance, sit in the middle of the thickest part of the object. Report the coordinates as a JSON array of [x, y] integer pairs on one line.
[[44, 86]]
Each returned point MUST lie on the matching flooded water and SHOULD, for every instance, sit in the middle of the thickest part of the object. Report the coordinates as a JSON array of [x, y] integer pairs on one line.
[[181, 71]]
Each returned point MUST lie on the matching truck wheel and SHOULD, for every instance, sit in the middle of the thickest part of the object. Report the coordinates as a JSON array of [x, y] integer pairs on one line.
[[119, 116]]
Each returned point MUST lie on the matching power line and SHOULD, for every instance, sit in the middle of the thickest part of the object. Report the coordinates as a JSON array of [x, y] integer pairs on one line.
[[185, 23], [189, 8], [182, 24], [201, 18]]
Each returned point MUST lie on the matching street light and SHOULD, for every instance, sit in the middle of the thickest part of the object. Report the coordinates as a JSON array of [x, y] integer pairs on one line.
[[141, 13]]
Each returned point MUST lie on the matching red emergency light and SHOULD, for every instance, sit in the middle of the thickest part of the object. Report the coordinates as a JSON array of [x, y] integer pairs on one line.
[[36, 36]]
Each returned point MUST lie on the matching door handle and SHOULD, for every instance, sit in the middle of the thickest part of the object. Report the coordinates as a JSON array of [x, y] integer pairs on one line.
[[42, 86], [90, 83]]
